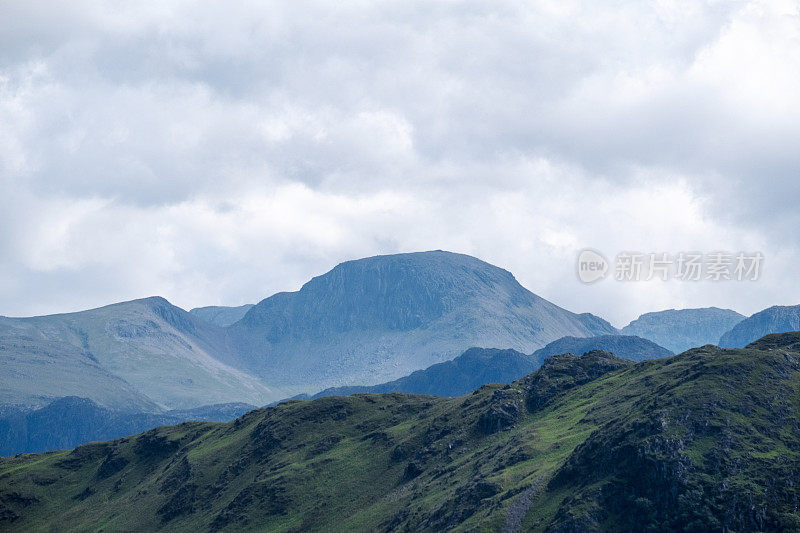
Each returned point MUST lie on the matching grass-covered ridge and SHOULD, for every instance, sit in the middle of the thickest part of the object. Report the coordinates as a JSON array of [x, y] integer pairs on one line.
[[701, 441]]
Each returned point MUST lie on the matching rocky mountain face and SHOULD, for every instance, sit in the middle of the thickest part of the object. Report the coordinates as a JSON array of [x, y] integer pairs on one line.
[[777, 319], [380, 318], [465, 373], [145, 354], [68, 422], [681, 329], [703, 441], [220, 315], [625, 346]]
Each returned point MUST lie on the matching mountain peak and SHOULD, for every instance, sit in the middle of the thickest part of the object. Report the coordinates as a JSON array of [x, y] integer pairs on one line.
[[625, 346], [397, 292], [562, 372], [775, 319], [682, 329], [152, 300], [398, 313], [147, 300]]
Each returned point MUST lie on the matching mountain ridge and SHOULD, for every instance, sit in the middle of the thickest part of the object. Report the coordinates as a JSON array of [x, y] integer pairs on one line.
[[467, 372], [480, 366], [681, 329], [775, 319], [365, 321], [701, 441], [631, 347], [182, 367]]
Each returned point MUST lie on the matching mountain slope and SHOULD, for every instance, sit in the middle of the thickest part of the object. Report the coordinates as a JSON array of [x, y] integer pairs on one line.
[[681, 329], [34, 371], [221, 316], [380, 318], [150, 349], [776, 319], [704, 441], [465, 373], [624, 346], [68, 422]]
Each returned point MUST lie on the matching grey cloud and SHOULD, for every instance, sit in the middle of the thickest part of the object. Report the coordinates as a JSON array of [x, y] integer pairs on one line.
[[164, 111]]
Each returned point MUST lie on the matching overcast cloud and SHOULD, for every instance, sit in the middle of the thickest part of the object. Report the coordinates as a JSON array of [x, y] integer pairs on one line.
[[215, 153]]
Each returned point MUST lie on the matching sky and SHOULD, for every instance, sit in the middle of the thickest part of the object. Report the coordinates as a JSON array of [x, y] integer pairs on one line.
[[217, 153]]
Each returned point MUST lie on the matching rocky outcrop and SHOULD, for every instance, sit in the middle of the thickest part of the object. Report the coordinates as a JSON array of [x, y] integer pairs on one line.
[[562, 372], [502, 413]]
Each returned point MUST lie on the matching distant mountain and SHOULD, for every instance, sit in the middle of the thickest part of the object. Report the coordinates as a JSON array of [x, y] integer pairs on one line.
[[703, 441], [465, 373], [479, 366], [68, 422], [221, 316], [625, 346], [367, 321], [776, 319], [377, 319], [681, 329], [140, 355], [35, 371]]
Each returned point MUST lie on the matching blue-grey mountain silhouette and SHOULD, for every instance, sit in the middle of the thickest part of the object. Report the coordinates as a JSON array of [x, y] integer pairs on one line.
[[479, 366], [776, 319], [70, 421], [145, 354], [681, 329], [628, 347], [467, 372]]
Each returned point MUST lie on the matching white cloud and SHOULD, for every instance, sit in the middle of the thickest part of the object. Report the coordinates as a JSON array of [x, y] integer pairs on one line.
[[217, 153]]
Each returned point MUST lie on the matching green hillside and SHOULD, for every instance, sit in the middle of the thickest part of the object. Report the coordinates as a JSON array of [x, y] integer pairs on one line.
[[703, 441]]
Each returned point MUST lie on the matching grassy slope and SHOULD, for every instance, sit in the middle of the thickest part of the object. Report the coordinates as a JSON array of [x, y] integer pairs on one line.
[[703, 439]]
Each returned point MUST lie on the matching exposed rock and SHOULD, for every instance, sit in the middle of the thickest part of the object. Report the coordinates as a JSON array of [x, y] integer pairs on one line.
[[113, 463], [152, 445], [503, 412], [466, 502], [412, 470], [562, 372]]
